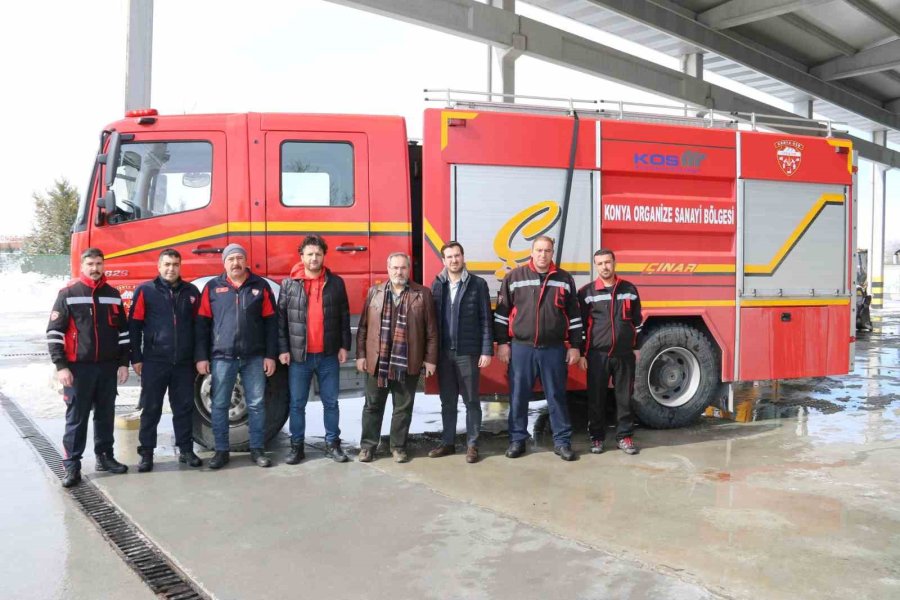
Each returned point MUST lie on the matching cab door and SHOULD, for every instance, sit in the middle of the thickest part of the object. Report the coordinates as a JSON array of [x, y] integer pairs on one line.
[[317, 182], [171, 192]]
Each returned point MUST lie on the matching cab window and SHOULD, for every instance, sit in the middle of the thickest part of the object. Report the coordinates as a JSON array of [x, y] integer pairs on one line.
[[161, 178], [316, 173]]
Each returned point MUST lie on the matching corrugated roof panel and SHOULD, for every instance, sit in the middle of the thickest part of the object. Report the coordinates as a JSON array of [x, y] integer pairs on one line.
[[837, 18]]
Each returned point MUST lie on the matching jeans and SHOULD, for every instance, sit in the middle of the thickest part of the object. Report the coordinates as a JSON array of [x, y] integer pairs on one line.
[[253, 378], [459, 374], [526, 364], [327, 370]]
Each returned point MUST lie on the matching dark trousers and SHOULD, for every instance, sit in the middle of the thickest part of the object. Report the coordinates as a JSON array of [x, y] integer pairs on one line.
[[526, 364], [600, 368], [403, 393], [459, 374], [156, 378], [94, 386]]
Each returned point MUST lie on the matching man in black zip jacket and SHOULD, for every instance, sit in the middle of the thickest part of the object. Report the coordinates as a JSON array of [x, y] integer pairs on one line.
[[538, 312], [314, 339], [88, 340], [237, 332], [611, 308], [161, 323], [462, 306]]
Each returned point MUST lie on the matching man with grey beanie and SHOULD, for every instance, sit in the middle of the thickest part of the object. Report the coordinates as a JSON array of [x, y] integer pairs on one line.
[[245, 342]]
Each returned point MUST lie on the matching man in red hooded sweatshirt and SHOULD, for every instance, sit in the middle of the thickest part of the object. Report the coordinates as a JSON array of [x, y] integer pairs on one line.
[[313, 339]]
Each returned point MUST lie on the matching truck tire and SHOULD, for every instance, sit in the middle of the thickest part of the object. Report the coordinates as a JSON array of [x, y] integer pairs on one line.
[[676, 378], [277, 405]]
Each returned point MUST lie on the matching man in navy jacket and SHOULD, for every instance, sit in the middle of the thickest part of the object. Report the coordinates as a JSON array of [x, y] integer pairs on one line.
[[161, 323], [237, 332], [462, 305]]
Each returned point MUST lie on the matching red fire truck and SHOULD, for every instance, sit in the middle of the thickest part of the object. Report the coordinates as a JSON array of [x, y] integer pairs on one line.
[[740, 241]]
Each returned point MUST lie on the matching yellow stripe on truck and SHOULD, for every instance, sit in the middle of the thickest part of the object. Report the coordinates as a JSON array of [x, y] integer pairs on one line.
[[245, 227], [788, 245], [215, 230]]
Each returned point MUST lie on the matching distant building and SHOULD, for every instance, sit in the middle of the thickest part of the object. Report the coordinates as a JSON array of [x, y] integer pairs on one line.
[[11, 243]]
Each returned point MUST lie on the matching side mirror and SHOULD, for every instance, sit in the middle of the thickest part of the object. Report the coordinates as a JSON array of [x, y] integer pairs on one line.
[[105, 204], [111, 158], [195, 180]]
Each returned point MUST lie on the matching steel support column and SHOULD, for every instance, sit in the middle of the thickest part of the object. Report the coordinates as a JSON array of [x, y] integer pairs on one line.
[[139, 54], [804, 108], [692, 64], [876, 253], [506, 57]]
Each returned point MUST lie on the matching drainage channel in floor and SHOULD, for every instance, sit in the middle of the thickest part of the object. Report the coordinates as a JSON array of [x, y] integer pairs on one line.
[[142, 555]]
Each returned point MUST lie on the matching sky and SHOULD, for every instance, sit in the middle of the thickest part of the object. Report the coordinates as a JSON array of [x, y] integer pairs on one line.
[[64, 73]]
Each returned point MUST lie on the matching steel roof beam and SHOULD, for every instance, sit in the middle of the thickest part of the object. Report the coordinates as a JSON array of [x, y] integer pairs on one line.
[[740, 12], [876, 14], [657, 14], [482, 23], [874, 60], [819, 33]]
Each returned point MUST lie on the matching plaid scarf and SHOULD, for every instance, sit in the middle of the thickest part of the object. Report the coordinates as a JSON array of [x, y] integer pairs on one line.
[[393, 345]]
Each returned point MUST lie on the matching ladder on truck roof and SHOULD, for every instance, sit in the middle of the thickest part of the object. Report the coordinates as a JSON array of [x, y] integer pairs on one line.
[[682, 114]]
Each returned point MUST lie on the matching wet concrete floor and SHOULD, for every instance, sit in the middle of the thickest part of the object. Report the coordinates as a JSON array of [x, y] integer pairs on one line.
[[49, 548], [795, 497]]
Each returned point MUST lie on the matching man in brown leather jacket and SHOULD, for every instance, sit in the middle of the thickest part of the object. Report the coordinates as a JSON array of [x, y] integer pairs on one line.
[[397, 336]]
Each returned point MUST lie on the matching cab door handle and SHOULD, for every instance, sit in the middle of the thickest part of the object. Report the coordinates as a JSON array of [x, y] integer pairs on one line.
[[207, 250], [349, 248]]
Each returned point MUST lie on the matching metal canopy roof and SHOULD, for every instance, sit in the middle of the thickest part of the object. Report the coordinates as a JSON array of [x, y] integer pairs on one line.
[[843, 54]]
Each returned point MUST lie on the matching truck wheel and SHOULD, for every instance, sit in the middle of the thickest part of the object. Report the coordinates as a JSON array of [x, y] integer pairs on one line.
[[677, 376], [277, 405]]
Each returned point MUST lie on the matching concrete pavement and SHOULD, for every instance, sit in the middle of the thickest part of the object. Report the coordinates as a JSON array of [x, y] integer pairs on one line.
[[49, 548], [798, 501]]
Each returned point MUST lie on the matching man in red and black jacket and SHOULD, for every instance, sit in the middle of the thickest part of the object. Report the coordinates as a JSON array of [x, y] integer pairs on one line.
[[537, 313], [161, 323], [88, 340], [611, 308], [237, 332]]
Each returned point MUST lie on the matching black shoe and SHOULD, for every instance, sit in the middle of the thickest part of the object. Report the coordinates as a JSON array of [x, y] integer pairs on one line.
[[146, 464], [515, 450], [335, 452], [220, 459], [565, 452], [72, 477], [188, 457], [107, 462], [296, 454], [258, 456]]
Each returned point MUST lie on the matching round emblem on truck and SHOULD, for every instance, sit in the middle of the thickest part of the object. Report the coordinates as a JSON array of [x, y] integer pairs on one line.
[[789, 153]]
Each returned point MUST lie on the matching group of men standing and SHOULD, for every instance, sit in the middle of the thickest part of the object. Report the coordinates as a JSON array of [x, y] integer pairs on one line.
[[542, 325]]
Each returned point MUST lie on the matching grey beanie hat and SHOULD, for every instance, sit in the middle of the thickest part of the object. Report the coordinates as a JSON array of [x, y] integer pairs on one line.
[[232, 249]]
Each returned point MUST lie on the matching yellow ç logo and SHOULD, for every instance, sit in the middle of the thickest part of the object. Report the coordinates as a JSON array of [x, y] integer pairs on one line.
[[535, 220]]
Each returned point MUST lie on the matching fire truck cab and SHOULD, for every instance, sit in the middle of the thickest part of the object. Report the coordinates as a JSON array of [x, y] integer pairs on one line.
[[740, 242]]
